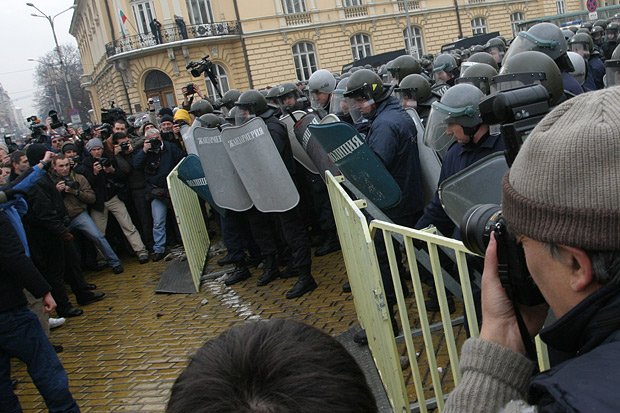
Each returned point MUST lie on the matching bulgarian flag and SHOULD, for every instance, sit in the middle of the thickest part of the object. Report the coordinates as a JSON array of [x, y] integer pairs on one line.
[[123, 20]]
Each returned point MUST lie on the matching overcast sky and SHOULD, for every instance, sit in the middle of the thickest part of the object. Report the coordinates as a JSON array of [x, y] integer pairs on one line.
[[26, 37]]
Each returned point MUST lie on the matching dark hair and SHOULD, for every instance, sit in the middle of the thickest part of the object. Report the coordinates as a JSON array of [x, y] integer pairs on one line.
[[605, 264], [16, 156], [273, 366], [117, 136], [123, 121]]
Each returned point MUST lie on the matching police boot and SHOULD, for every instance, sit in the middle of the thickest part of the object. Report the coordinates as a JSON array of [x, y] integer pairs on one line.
[[270, 270], [361, 338], [329, 245], [240, 273], [304, 284]]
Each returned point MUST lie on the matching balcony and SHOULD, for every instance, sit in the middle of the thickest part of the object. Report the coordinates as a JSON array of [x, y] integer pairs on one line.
[[355, 11], [475, 1], [172, 33], [413, 5], [296, 19]]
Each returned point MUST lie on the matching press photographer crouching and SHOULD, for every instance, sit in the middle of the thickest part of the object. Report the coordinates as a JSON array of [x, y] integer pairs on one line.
[[157, 158], [560, 201], [106, 179]]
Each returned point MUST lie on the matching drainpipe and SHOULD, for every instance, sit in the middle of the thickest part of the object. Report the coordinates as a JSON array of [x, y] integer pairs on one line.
[[243, 46], [458, 18]]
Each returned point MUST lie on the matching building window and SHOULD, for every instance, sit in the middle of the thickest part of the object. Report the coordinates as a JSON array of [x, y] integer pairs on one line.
[[305, 60], [144, 13], [200, 11], [293, 6], [360, 46], [560, 6], [416, 48], [222, 81], [351, 3], [515, 19], [478, 26]]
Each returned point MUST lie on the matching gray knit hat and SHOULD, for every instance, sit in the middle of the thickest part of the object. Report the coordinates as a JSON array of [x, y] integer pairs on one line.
[[564, 186], [93, 143]]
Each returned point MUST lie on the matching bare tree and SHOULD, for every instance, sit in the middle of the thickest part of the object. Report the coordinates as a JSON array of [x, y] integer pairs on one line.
[[49, 80]]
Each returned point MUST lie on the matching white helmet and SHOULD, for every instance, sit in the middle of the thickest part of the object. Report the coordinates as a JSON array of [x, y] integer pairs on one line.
[[579, 64]]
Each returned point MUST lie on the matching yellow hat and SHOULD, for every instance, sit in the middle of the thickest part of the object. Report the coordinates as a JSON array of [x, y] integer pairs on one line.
[[183, 115]]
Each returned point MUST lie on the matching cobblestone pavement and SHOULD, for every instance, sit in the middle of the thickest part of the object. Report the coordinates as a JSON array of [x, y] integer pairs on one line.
[[125, 352]]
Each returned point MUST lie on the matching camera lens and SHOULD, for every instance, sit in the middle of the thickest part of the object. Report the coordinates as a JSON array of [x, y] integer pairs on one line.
[[477, 224]]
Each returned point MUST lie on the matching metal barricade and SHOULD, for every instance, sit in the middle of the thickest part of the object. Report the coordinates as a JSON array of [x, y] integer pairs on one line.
[[432, 345], [192, 225]]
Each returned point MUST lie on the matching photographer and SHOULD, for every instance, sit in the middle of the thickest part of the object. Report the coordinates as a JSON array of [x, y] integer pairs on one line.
[[157, 158], [106, 180], [560, 200], [77, 195], [139, 209]]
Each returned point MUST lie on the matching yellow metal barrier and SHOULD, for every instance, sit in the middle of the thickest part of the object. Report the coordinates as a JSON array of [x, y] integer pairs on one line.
[[191, 225], [424, 385]]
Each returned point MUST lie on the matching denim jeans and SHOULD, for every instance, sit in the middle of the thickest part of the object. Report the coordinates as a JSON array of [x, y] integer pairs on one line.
[[85, 224], [159, 211], [21, 336]]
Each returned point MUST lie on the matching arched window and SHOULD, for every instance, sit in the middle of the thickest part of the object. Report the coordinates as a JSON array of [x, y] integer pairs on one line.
[[478, 25], [360, 46], [305, 60], [222, 82], [416, 48]]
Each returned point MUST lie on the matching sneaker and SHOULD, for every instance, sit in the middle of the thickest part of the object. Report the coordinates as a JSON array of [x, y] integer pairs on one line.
[[143, 258], [56, 322], [158, 256], [118, 269]]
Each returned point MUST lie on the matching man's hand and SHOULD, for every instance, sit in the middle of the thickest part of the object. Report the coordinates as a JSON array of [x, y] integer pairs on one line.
[[176, 129], [117, 149], [97, 168], [147, 146], [67, 236], [49, 304], [49, 155], [61, 186], [499, 323], [109, 169]]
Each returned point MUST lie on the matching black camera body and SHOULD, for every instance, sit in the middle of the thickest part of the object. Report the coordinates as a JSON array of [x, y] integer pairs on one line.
[[105, 131], [156, 145], [125, 146], [190, 88], [70, 183], [56, 123], [201, 66], [104, 162]]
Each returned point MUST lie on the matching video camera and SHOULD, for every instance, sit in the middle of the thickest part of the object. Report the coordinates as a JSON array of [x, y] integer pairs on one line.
[[205, 66], [112, 114], [105, 130], [56, 123], [37, 128]]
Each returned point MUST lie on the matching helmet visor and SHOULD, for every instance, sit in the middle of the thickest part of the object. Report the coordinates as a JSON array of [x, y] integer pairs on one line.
[[407, 98], [578, 47], [435, 134], [242, 115], [360, 108], [338, 105], [318, 100], [480, 82], [612, 74], [501, 83], [525, 42]]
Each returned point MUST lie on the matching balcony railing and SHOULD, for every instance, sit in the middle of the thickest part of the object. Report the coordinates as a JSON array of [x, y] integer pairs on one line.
[[172, 33], [413, 5], [355, 11], [296, 19], [475, 1]]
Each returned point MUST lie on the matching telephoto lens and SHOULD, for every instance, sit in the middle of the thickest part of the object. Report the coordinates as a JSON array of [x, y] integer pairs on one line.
[[477, 225]]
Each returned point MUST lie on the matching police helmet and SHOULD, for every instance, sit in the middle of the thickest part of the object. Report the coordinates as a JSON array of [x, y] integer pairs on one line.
[[253, 101], [582, 39], [322, 81], [209, 120], [200, 107], [446, 63], [403, 66], [580, 67], [567, 34], [478, 75], [366, 83], [482, 57], [612, 68], [546, 38], [230, 97], [414, 86]]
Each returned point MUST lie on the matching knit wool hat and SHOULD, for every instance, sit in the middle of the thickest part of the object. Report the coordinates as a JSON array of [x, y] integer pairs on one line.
[[93, 143], [166, 118], [564, 186], [68, 146], [35, 153]]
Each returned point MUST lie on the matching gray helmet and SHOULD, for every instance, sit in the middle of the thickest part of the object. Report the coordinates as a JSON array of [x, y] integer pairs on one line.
[[582, 39], [337, 104], [600, 23], [366, 83], [209, 120], [546, 38], [479, 75], [272, 94], [200, 107], [483, 57], [403, 66], [284, 89], [586, 25], [612, 68], [567, 34], [579, 64], [459, 105], [322, 81], [444, 62], [527, 68], [253, 101], [415, 87], [477, 48], [230, 97]]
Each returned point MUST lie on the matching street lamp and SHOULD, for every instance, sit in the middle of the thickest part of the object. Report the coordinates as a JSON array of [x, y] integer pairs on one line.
[[50, 19]]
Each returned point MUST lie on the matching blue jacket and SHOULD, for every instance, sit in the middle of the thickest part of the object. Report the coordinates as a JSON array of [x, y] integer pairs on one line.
[[594, 77], [157, 166], [570, 84], [392, 136], [457, 158]]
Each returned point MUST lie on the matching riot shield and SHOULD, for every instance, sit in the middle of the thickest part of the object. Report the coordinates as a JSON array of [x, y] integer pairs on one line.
[[298, 151], [314, 150], [357, 162], [429, 161], [224, 182], [479, 183], [191, 173], [329, 118], [260, 167]]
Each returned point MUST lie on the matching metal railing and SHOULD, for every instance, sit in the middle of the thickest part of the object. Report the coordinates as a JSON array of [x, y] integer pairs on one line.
[[432, 340], [192, 225], [172, 33]]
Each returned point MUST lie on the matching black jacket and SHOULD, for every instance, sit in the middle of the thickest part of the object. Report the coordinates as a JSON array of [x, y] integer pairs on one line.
[[105, 185], [16, 270], [47, 218]]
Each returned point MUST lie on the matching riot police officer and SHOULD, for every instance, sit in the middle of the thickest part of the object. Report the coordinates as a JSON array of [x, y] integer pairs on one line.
[[320, 86], [414, 91], [582, 43], [445, 72], [402, 67]]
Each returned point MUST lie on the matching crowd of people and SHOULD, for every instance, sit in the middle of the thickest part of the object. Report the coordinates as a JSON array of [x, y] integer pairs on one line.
[[62, 186]]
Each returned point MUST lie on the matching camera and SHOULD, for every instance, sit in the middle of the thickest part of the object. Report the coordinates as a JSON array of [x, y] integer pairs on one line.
[[105, 130], [70, 183], [104, 162], [125, 146], [201, 66], [76, 159], [155, 145], [190, 89], [476, 227], [56, 123]]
